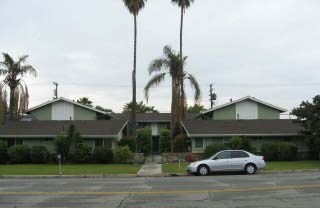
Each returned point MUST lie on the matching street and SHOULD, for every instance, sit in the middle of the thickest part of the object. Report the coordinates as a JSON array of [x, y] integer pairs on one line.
[[261, 190]]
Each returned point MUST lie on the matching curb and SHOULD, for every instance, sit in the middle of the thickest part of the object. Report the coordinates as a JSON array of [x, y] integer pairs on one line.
[[66, 176]]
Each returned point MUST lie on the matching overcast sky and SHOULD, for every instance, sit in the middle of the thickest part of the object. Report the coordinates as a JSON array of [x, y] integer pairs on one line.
[[266, 49]]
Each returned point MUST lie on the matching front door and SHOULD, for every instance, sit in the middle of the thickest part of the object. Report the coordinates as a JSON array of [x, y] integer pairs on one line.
[[155, 144], [239, 160]]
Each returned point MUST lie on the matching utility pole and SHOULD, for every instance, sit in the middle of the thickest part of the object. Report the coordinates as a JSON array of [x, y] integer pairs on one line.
[[55, 90], [213, 96]]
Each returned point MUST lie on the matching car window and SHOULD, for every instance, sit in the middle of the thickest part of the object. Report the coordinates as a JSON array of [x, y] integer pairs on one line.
[[224, 155], [239, 154]]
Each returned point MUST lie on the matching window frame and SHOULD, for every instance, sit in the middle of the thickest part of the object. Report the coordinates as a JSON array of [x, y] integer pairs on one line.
[[242, 152], [195, 143]]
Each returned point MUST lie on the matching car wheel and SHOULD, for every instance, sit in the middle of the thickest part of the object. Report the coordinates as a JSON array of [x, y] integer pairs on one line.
[[203, 170], [250, 169]]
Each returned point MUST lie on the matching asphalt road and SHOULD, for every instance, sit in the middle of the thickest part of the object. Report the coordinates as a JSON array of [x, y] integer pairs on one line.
[[262, 190]]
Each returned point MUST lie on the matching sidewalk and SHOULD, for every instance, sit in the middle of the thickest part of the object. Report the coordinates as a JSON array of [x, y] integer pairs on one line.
[[151, 167]]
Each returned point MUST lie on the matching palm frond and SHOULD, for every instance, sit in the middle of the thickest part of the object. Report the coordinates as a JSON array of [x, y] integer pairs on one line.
[[195, 86], [134, 6], [154, 81], [28, 69], [8, 60], [183, 3], [158, 65]]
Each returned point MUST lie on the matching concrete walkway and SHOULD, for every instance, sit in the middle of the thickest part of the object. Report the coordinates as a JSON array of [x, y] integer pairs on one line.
[[150, 168]]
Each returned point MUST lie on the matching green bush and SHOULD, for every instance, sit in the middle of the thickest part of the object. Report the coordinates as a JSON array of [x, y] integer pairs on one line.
[[81, 153], [144, 140], [165, 140], [287, 151], [314, 147], [19, 153], [179, 143], [103, 155], [240, 143], [122, 155], [130, 142], [212, 149], [3, 152], [39, 154], [62, 146], [270, 151], [283, 151]]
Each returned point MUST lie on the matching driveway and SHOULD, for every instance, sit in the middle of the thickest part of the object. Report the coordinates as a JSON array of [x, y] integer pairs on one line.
[[264, 190]]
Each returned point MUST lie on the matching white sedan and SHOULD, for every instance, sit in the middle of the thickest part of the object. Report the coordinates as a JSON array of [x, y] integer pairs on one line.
[[228, 160]]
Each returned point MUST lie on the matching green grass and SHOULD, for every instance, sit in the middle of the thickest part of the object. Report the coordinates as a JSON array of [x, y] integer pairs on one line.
[[271, 166], [68, 169]]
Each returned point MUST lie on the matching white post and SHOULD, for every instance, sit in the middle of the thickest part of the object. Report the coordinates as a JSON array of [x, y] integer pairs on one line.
[[60, 167], [179, 161]]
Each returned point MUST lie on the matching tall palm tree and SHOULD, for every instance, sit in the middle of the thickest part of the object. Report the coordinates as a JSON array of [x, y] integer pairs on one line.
[[13, 72], [170, 65], [183, 4], [134, 6]]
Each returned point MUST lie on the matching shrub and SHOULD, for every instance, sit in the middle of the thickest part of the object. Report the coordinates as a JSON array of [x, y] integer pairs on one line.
[[144, 140], [103, 155], [3, 152], [130, 142], [287, 151], [240, 143], [165, 140], [81, 153], [270, 151], [39, 154], [314, 147], [62, 146], [122, 155], [19, 153], [179, 143], [212, 149]]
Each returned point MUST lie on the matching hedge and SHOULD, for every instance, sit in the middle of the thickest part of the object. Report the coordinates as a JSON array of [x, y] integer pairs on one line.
[[39, 154], [19, 153], [103, 155], [212, 149], [279, 151]]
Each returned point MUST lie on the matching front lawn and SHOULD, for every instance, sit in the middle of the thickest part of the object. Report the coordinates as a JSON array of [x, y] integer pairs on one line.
[[68, 169], [271, 166]]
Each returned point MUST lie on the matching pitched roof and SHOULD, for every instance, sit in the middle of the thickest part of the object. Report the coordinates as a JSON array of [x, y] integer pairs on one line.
[[152, 117], [65, 100], [215, 128], [50, 129], [245, 98]]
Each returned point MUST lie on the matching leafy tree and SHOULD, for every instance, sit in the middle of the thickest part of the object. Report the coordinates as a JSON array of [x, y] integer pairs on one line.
[[196, 108], [170, 65], [140, 108], [308, 115], [180, 143], [128, 141], [134, 7], [144, 140], [85, 101], [13, 72], [212, 149], [100, 108], [164, 140]]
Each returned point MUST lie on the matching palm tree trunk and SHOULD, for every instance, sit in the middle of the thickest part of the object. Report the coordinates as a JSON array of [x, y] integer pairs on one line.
[[11, 105], [182, 93], [134, 99], [173, 114]]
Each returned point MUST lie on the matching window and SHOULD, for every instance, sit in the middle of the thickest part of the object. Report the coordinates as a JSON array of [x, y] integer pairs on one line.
[[239, 154], [224, 155], [198, 143]]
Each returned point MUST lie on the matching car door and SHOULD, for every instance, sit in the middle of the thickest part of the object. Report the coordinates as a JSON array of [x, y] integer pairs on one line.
[[221, 162], [238, 160]]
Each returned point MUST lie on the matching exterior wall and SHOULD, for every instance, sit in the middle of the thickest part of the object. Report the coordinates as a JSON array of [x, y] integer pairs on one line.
[[84, 114], [227, 113], [62, 111], [247, 110], [265, 112], [44, 113], [154, 129]]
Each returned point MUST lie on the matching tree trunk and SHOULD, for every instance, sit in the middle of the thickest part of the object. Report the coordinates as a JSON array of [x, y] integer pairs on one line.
[[11, 105], [134, 99]]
